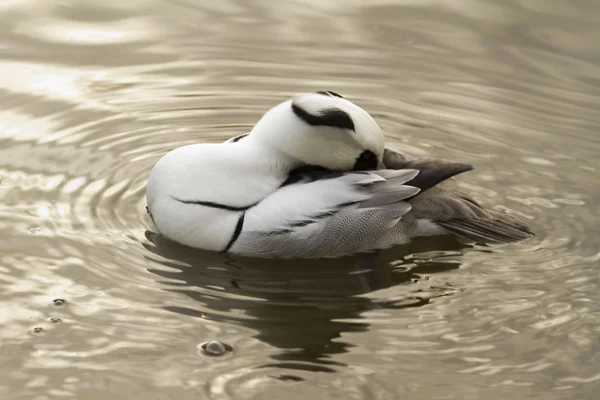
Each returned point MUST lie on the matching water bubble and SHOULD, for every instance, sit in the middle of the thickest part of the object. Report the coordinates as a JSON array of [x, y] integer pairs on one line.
[[55, 320], [59, 302], [38, 330], [215, 348]]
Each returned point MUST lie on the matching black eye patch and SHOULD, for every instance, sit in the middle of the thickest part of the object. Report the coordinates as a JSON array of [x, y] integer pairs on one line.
[[333, 117], [331, 94], [367, 161]]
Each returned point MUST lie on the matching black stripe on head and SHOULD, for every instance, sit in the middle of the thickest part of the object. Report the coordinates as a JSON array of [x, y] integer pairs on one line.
[[367, 161], [240, 137], [333, 117], [331, 94]]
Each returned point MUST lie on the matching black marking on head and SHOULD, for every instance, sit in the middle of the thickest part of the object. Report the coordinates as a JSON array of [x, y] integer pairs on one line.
[[331, 94], [236, 233], [238, 138], [214, 205], [333, 117], [366, 161]]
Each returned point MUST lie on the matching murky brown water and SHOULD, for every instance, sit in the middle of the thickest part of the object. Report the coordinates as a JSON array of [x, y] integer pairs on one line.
[[93, 93]]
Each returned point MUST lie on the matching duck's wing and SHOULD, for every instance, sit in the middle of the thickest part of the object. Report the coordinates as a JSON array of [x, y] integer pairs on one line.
[[326, 214]]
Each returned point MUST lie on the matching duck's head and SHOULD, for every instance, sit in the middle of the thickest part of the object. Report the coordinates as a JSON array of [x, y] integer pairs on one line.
[[322, 129]]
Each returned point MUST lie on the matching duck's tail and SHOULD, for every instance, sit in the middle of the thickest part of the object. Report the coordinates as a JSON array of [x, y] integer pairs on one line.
[[500, 227], [455, 212]]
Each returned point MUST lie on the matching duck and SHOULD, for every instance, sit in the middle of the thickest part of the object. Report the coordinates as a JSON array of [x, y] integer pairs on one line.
[[313, 179]]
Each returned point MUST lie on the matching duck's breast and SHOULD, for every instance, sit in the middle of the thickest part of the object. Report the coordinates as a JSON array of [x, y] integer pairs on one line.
[[197, 193], [194, 225]]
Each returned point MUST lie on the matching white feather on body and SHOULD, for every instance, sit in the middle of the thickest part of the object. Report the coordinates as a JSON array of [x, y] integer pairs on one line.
[[321, 218], [211, 173]]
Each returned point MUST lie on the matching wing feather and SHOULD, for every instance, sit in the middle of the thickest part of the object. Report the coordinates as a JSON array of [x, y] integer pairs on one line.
[[331, 216]]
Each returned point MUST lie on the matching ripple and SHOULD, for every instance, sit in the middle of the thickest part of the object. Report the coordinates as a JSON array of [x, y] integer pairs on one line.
[[86, 34]]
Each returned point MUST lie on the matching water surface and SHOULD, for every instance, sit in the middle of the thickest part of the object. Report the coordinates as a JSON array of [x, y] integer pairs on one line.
[[93, 304]]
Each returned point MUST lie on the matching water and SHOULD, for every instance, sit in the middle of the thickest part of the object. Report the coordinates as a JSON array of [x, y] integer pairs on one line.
[[94, 305]]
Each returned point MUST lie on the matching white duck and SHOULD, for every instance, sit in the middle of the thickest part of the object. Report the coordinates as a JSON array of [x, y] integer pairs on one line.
[[310, 181]]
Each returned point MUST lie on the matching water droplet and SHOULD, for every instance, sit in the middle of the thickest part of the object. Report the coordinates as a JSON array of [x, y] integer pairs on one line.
[[55, 320], [38, 330], [59, 302], [215, 348]]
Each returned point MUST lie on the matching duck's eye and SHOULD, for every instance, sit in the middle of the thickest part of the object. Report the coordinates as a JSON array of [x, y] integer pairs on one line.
[[366, 161], [333, 117]]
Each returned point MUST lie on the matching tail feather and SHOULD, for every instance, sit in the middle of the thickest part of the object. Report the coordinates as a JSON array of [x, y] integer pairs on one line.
[[499, 228]]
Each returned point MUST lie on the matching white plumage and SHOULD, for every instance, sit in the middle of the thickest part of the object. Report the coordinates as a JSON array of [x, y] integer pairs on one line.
[[289, 189]]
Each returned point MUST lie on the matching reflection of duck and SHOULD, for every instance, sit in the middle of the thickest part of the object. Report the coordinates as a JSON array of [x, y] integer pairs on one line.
[[297, 186], [301, 307]]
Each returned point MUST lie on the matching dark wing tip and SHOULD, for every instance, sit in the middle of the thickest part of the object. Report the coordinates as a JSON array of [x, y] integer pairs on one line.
[[430, 174]]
